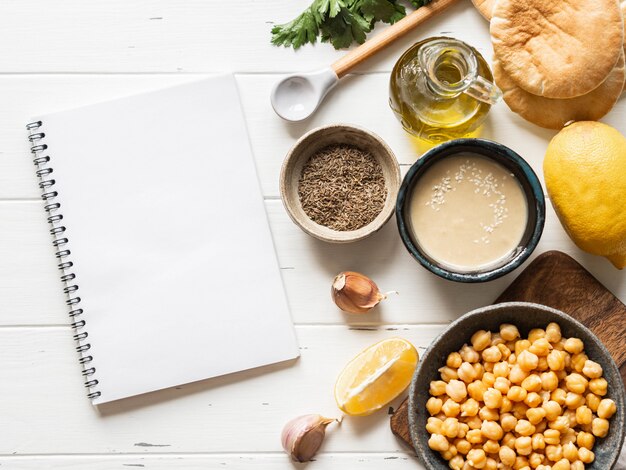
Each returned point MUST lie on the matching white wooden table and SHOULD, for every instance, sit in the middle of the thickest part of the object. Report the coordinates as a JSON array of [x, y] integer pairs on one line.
[[61, 54]]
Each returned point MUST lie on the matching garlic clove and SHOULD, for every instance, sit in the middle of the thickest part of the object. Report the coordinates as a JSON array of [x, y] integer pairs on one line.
[[302, 436], [355, 293]]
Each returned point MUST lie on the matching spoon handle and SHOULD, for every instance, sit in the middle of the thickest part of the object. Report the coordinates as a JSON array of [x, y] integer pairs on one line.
[[386, 37]]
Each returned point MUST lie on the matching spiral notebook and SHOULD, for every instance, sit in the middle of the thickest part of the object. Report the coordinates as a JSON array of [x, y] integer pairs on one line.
[[162, 239]]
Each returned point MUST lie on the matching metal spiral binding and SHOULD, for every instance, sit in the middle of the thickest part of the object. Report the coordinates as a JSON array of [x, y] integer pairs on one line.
[[46, 183]]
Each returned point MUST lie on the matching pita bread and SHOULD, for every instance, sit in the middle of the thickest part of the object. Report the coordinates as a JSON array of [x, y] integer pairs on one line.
[[554, 114], [484, 7], [557, 48]]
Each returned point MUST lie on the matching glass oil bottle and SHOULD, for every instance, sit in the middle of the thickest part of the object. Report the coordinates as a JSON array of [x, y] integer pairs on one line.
[[442, 89]]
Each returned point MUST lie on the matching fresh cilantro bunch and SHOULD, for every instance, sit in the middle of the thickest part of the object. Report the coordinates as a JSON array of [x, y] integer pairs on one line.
[[340, 22]]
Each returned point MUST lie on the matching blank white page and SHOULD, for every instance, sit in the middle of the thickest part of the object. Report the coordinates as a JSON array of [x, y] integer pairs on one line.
[[169, 238]]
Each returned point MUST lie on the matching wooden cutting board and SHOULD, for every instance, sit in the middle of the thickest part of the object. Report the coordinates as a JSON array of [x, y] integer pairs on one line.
[[556, 280]]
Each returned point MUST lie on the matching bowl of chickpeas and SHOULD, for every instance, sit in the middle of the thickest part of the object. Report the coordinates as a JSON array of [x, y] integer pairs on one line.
[[517, 386]]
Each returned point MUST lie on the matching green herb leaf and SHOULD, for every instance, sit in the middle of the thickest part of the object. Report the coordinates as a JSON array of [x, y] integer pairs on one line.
[[344, 29], [381, 10], [303, 29]]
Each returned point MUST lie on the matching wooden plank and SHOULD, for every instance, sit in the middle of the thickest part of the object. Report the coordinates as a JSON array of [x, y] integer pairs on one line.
[[180, 36], [44, 408], [31, 291], [360, 100], [323, 461]]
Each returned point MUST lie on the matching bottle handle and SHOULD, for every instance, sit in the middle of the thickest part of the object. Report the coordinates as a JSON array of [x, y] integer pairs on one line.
[[483, 90]]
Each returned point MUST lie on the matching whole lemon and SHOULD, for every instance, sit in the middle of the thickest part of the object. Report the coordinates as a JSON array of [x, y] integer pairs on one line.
[[585, 173]]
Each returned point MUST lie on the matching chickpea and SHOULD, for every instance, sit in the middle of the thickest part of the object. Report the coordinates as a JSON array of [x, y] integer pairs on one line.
[[438, 442], [532, 383], [506, 352], [463, 428], [502, 384], [559, 345], [456, 462], [599, 427], [592, 369], [568, 437], [540, 347], [476, 390], [585, 439], [583, 415], [469, 408], [491, 464], [466, 372], [556, 360], [448, 374], [451, 408], [507, 455], [508, 440], [488, 414], [519, 410], [509, 332], [537, 441], [577, 362], [592, 401], [553, 332], [573, 345], [517, 374], [507, 405], [562, 464], [554, 452], [533, 399], [523, 445], [474, 422], [542, 364], [535, 334], [451, 452], [570, 452], [492, 354], [492, 430], [535, 459], [576, 383], [469, 354], [501, 369], [456, 390], [433, 425], [521, 345], [542, 426], [477, 458], [560, 424], [488, 366], [512, 359], [492, 398], [450, 428], [549, 381], [524, 428], [561, 374], [433, 405], [607, 408], [535, 415], [479, 370], [437, 387], [491, 446], [454, 360], [558, 396], [474, 436], [481, 339], [527, 360], [516, 393], [571, 417], [462, 446], [598, 386], [507, 422], [521, 463], [574, 400], [577, 465], [585, 455], [552, 437], [489, 379]]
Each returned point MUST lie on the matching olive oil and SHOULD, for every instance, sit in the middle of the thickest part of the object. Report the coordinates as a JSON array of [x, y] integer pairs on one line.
[[440, 89]]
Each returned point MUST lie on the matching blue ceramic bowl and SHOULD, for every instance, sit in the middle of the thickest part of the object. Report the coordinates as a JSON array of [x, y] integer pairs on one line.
[[500, 154], [525, 316]]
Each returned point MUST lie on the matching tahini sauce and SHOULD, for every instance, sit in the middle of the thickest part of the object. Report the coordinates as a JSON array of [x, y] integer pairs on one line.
[[468, 212]]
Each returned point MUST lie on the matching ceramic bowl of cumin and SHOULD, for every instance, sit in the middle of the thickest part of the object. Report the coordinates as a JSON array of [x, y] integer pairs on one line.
[[339, 183]]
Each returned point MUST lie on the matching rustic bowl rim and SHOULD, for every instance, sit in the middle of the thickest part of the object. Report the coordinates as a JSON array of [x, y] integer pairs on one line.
[[488, 149], [619, 394], [324, 233]]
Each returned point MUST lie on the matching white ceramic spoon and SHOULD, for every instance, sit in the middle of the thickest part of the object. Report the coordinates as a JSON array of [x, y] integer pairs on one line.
[[297, 96]]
